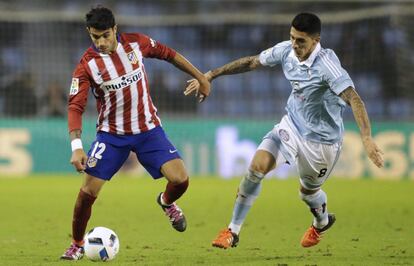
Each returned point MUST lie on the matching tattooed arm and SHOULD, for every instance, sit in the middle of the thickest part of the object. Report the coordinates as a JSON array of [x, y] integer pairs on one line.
[[241, 65], [351, 97]]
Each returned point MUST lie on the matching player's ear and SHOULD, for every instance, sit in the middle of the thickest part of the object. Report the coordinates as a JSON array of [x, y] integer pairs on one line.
[[317, 38], [115, 28]]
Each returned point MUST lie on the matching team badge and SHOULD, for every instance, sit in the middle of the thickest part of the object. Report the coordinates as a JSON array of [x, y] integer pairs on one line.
[[92, 162], [132, 57], [284, 135], [74, 87]]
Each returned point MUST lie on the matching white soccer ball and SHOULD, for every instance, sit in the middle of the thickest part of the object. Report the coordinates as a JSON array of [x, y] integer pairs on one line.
[[101, 244]]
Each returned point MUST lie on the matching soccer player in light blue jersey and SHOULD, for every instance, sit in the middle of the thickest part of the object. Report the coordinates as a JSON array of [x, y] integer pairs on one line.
[[310, 134]]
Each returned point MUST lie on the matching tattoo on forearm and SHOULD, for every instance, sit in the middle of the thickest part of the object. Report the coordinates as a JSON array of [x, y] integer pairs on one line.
[[238, 66]]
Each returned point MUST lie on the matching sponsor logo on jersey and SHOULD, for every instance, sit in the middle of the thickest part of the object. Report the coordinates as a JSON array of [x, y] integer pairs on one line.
[[123, 81], [132, 57], [74, 87]]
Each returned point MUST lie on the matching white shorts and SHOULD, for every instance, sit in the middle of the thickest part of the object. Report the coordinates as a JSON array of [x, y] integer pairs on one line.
[[313, 160]]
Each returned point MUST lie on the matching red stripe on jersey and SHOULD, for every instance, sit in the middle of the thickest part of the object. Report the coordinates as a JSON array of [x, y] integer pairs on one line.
[[154, 117], [102, 69], [105, 76], [126, 92], [112, 112], [127, 110], [141, 109]]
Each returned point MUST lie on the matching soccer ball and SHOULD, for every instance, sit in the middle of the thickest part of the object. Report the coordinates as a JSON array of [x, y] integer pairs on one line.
[[101, 244]]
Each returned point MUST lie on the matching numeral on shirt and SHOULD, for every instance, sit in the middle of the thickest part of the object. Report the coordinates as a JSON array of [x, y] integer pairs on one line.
[[322, 172], [98, 149]]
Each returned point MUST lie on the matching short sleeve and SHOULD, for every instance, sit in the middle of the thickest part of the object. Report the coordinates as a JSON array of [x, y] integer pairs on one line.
[[274, 55], [154, 49], [333, 73]]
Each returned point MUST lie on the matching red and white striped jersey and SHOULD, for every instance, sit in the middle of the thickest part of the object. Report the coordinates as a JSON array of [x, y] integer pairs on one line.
[[119, 84]]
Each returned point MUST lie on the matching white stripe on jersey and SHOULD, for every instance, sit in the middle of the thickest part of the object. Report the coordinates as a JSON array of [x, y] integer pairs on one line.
[[133, 88], [330, 65], [119, 112], [95, 71], [135, 47], [98, 80]]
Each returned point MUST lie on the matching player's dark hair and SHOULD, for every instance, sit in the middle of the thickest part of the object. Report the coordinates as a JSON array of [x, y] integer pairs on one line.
[[307, 22], [100, 18]]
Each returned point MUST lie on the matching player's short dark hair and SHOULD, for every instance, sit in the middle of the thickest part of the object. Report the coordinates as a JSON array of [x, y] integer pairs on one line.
[[100, 18], [307, 22]]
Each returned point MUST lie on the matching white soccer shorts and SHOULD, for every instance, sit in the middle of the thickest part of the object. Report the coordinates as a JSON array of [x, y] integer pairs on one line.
[[313, 160]]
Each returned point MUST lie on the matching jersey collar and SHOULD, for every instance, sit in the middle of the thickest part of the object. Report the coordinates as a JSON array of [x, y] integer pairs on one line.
[[308, 62]]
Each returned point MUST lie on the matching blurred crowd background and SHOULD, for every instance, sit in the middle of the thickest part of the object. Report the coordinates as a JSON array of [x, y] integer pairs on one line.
[[42, 41]]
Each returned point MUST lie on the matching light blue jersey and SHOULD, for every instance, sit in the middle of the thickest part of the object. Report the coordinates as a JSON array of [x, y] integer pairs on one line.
[[314, 106]]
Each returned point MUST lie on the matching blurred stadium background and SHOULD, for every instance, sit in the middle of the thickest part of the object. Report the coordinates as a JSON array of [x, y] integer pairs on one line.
[[42, 41]]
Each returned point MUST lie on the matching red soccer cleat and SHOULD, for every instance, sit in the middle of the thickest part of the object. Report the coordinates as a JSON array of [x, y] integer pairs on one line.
[[313, 235]]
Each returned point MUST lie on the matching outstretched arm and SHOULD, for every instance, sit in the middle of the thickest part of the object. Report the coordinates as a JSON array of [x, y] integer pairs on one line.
[[351, 97], [183, 64], [241, 65]]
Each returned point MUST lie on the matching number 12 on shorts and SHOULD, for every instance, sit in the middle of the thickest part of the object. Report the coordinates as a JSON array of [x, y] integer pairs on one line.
[[98, 149]]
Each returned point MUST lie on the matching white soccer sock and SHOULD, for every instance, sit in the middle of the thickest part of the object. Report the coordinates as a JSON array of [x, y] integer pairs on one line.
[[317, 203], [249, 189]]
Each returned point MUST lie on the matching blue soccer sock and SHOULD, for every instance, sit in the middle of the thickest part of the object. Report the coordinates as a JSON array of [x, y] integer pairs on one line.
[[317, 203], [249, 189]]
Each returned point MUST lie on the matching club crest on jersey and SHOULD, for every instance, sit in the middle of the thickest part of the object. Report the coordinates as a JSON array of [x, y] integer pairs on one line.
[[284, 135], [92, 162], [132, 57], [74, 87]]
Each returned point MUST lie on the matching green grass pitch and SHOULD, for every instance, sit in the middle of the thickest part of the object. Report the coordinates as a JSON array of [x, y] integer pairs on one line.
[[375, 223]]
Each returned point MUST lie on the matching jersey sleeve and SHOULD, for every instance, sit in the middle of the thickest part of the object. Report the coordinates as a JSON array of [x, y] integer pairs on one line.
[[333, 73], [78, 97], [154, 49], [274, 55]]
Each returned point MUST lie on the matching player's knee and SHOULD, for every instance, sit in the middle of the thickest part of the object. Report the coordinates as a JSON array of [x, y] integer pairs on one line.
[[90, 191], [254, 176], [307, 191], [178, 178], [259, 167]]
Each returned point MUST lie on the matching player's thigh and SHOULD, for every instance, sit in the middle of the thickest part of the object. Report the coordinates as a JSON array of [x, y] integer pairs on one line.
[[106, 156], [92, 185], [174, 171], [157, 152], [315, 163]]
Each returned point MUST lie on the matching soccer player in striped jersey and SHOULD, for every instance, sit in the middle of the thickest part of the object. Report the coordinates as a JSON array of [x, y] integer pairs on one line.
[[310, 135], [113, 70]]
